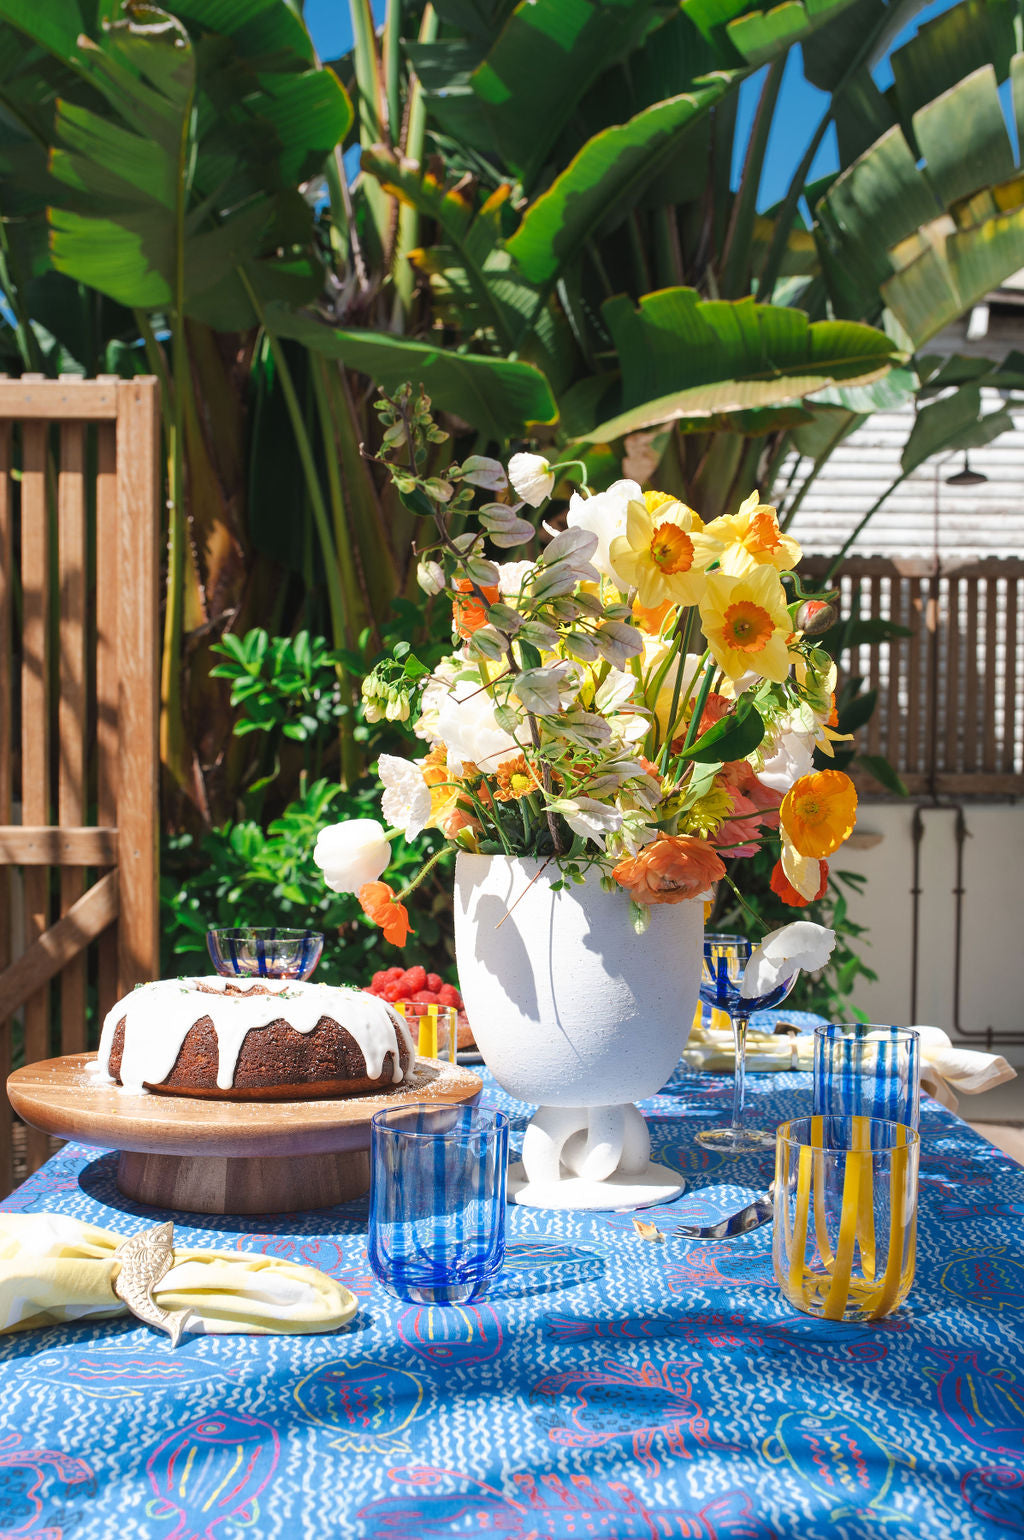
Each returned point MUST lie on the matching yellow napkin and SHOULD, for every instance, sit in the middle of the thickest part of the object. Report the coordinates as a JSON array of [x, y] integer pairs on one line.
[[54, 1268]]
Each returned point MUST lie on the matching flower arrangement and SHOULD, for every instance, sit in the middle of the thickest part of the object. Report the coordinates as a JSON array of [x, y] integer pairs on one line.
[[643, 694]]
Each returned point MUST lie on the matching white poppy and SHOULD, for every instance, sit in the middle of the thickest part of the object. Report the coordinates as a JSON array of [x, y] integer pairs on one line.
[[532, 478], [466, 726], [603, 515], [801, 872], [782, 952], [351, 854], [512, 575], [792, 756], [406, 800]]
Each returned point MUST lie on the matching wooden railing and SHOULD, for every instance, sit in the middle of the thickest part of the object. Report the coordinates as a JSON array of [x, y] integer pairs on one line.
[[950, 717], [79, 606]]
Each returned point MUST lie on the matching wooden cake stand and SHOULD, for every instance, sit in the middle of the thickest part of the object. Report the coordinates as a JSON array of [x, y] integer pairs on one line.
[[225, 1157]]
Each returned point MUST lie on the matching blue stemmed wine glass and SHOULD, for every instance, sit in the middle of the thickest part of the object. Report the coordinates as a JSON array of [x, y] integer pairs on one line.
[[271, 952], [725, 958]]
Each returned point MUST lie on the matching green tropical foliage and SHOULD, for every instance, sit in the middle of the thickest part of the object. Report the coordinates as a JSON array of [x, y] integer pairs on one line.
[[544, 231]]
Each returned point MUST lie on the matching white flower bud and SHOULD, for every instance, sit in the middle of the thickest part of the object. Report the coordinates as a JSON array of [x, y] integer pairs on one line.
[[430, 576], [532, 478]]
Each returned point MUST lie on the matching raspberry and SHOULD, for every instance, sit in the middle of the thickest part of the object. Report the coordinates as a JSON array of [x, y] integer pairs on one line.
[[402, 990], [389, 993], [434, 981], [391, 974], [425, 997], [417, 976], [449, 995], [378, 979]]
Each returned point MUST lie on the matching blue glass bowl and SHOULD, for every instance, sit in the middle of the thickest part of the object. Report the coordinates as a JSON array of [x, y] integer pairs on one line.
[[247, 951]]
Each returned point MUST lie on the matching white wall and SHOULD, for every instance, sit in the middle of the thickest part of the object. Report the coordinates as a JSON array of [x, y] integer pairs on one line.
[[992, 948], [925, 516]]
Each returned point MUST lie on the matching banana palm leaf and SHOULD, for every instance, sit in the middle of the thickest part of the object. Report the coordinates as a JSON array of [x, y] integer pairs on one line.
[[687, 358], [175, 163], [930, 216], [501, 398]]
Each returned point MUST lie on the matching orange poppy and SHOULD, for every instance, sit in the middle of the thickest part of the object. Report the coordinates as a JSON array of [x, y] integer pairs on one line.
[[469, 614], [377, 900], [652, 620], [819, 812], [674, 867], [781, 885]]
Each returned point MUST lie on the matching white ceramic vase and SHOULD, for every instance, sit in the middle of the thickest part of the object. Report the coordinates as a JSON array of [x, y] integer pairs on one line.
[[574, 1011]]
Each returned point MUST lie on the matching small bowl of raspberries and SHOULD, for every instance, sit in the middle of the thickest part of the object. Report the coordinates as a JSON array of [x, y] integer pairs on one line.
[[417, 985]]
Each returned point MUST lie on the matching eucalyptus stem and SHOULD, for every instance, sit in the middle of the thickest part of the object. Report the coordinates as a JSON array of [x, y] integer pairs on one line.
[[531, 720]]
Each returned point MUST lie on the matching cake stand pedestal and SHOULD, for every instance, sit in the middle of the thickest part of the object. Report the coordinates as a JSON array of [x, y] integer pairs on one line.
[[225, 1157]]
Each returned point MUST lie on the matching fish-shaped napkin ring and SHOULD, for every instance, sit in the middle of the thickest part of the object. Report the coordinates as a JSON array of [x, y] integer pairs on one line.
[[144, 1259]]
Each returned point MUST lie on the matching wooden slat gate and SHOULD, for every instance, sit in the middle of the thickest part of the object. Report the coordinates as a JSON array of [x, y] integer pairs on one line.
[[79, 703], [950, 707]]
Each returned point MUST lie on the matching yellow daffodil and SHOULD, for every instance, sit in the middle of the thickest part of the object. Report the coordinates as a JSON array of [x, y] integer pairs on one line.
[[818, 813], [664, 552], [746, 622], [752, 538]]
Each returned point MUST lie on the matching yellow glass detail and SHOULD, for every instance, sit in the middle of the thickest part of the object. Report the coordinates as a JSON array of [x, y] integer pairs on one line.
[[845, 1217]]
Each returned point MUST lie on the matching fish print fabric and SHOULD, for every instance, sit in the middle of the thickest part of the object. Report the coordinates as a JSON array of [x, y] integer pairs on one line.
[[605, 1388]]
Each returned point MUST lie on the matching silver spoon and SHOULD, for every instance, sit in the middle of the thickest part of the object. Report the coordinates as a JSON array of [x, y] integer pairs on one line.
[[756, 1214]]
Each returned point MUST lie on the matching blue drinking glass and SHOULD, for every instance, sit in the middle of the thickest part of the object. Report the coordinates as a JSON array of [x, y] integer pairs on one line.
[[268, 952], [721, 982], [863, 1070], [437, 1201]]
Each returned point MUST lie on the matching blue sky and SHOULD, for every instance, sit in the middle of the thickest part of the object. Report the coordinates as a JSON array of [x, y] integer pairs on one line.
[[800, 104]]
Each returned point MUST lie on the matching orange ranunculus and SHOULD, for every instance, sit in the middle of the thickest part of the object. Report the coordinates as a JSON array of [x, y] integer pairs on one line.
[[674, 867], [715, 708], [469, 614], [781, 885], [457, 817], [819, 812], [378, 901]]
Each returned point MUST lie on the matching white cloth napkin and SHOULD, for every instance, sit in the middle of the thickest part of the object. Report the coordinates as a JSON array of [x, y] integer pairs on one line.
[[945, 1069]]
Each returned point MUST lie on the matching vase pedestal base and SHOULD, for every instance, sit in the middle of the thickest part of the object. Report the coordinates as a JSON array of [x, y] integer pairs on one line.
[[595, 1157], [622, 1190]]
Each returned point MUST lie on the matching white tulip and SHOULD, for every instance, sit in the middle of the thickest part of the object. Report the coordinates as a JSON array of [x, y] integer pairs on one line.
[[406, 800], [532, 478], [351, 854], [603, 515], [782, 952]]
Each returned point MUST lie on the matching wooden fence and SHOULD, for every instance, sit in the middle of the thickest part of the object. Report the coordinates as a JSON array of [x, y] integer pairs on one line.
[[79, 606], [950, 717]]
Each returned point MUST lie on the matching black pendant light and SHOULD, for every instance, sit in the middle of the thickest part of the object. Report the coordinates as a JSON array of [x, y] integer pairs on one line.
[[966, 477]]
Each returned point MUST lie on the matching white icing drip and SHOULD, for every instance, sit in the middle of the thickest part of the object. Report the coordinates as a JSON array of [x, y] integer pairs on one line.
[[158, 1016]]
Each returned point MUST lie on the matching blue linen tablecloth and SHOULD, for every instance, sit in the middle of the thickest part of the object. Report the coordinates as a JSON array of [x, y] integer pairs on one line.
[[607, 1388]]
